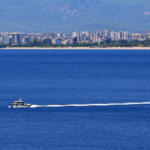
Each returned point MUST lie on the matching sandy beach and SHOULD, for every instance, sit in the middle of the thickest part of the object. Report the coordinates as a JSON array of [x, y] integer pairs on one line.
[[75, 48]]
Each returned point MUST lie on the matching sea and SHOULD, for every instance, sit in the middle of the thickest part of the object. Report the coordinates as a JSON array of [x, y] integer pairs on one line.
[[81, 99]]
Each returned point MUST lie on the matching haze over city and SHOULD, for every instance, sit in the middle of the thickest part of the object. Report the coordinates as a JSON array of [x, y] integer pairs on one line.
[[74, 15]]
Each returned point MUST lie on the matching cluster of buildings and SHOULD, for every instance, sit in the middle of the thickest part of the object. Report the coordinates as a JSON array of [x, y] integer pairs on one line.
[[76, 37]]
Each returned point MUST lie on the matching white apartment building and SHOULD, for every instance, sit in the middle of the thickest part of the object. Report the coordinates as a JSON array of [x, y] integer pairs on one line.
[[25, 40], [127, 36], [119, 35], [58, 34], [107, 33], [56, 41], [113, 35]]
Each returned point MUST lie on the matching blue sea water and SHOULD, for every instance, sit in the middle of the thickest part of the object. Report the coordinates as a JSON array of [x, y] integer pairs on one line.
[[61, 77]]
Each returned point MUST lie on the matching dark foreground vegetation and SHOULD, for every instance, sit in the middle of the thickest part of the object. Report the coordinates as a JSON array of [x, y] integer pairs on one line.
[[105, 43]]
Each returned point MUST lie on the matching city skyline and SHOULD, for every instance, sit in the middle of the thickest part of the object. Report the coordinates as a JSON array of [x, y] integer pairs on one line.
[[19, 38]]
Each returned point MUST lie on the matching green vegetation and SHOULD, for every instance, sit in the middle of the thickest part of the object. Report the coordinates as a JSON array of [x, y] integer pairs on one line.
[[45, 44], [125, 43], [105, 43], [3, 46]]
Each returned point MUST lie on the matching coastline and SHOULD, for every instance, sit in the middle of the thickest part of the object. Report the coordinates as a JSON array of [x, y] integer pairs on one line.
[[75, 48]]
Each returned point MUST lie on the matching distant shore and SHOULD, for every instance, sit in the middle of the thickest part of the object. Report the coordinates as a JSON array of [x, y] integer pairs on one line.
[[76, 48]]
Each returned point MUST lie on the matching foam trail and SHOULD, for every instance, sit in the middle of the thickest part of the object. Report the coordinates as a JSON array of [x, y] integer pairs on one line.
[[89, 105]]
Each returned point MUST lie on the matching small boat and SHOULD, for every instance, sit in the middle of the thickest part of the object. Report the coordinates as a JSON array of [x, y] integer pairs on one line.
[[19, 104]]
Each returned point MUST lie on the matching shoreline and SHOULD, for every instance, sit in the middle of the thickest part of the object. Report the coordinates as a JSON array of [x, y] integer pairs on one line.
[[75, 48]]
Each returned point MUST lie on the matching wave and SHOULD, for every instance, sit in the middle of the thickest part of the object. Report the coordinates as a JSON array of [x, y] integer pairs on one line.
[[90, 105]]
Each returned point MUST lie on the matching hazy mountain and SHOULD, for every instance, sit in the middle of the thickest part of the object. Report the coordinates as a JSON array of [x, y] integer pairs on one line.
[[73, 15]]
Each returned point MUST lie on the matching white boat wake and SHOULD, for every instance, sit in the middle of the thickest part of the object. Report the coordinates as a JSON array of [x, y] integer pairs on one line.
[[89, 105]]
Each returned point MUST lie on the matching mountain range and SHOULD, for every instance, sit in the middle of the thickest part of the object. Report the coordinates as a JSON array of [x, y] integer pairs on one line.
[[74, 15]]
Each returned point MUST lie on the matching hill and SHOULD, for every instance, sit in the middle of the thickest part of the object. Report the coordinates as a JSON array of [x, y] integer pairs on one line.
[[73, 15]]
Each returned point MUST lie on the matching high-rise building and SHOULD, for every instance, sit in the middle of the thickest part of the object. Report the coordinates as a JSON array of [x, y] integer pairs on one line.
[[113, 35], [107, 33], [56, 41], [64, 34], [9, 40], [16, 38], [5, 39], [87, 34], [25, 40], [32, 38], [65, 42], [78, 35], [75, 34], [1, 40], [101, 33], [119, 35], [39, 38], [74, 40], [127, 36], [97, 38], [78, 38], [94, 34], [47, 40], [91, 35], [58, 34]]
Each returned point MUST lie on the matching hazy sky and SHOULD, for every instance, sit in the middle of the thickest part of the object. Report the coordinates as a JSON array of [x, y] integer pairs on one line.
[[70, 15]]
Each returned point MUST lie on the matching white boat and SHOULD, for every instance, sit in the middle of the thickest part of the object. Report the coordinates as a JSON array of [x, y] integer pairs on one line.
[[19, 104]]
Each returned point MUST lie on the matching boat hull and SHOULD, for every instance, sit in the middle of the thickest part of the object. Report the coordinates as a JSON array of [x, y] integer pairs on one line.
[[18, 106]]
